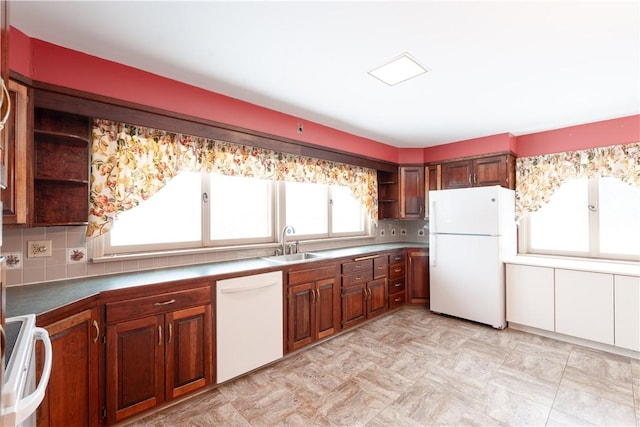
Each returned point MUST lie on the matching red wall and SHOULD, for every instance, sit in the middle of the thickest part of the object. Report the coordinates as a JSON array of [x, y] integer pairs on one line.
[[49, 63], [623, 130], [45, 62]]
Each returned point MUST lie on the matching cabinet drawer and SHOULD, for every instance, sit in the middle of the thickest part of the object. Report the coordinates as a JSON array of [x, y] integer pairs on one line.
[[397, 300], [161, 303], [396, 285], [355, 266], [356, 278], [311, 275], [380, 266], [398, 258], [397, 270]]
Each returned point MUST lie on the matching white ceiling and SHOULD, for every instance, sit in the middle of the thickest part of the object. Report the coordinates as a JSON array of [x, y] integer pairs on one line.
[[502, 66]]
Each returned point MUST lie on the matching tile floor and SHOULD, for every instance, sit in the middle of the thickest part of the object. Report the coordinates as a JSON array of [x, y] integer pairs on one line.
[[413, 368]]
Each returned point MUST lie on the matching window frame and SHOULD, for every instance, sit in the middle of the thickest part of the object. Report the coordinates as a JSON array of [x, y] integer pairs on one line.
[[594, 252], [278, 209]]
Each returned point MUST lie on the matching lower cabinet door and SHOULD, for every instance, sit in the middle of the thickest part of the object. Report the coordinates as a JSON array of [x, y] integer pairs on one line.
[[584, 305], [354, 305], [134, 367], [377, 297], [188, 353], [327, 308], [72, 397], [300, 315], [627, 312]]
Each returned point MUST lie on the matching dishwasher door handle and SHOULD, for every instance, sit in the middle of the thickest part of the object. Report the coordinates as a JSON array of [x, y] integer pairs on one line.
[[237, 290]]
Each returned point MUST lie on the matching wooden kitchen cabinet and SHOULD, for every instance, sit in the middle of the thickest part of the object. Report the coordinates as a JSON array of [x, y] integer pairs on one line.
[[164, 353], [15, 153], [313, 305], [388, 195], [364, 290], [418, 276], [432, 182], [73, 395], [479, 172], [397, 279], [61, 167], [412, 192]]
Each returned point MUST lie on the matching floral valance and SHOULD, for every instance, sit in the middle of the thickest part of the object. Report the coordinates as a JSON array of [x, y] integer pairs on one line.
[[130, 163], [538, 177]]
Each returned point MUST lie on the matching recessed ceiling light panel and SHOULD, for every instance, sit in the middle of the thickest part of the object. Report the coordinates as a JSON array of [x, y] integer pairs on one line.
[[398, 70]]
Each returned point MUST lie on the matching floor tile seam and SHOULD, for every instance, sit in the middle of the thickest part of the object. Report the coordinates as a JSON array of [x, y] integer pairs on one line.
[[555, 396], [240, 413], [613, 402]]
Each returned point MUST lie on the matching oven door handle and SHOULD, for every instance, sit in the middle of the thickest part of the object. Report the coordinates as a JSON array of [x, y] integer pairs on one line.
[[28, 405]]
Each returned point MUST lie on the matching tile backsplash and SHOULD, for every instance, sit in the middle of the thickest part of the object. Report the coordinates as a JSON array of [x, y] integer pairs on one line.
[[70, 259]]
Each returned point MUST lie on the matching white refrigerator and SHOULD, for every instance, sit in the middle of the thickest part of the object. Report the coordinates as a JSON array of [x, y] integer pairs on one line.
[[471, 231]]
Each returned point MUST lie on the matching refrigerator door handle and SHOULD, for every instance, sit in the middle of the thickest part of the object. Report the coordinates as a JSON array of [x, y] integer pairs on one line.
[[432, 217], [432, 249], [432, 234]]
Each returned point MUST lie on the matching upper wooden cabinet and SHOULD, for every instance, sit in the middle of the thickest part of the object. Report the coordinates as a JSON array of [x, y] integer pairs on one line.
[[412, 192], [388, 193], [61, 168], [14, 157], [479, 172]]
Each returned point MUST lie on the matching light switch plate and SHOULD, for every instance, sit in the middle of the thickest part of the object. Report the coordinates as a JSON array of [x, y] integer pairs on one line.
[[38, 248]]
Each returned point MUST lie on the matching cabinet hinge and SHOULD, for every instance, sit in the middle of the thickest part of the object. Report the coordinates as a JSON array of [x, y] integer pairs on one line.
[[104, 339]]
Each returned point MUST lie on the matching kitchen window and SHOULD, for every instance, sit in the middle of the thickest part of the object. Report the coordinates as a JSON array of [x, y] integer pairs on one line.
[[211, 210], [596, 217]]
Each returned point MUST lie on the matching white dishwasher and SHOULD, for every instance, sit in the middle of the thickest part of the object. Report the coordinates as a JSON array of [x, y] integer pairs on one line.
[[249, 328]]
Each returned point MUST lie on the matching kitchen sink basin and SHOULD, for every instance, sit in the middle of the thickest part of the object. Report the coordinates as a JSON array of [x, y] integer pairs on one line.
[[293, 258]]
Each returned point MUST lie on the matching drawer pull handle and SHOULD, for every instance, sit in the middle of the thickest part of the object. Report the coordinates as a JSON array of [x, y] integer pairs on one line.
[[97, 327], [397, 285], [398, 258], [160, 304], [397, 270], [397, 300], [366, 257], [169, 332], [358, 277], [159, 335]]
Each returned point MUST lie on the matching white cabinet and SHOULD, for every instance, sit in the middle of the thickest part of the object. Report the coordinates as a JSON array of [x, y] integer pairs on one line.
[[584, 305], [627, 312], [530, 296]]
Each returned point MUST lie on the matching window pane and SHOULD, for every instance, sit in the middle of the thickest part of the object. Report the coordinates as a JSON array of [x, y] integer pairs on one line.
[[306, 207], [171, 215], [241, 207], [563, 224], [619, 210], [347, 214]]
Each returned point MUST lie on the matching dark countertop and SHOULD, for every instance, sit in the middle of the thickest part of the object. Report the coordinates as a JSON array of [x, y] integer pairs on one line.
[[43, 297]]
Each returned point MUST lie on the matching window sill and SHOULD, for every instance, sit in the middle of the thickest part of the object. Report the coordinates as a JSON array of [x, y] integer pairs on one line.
[[241, 251], [627, 268]]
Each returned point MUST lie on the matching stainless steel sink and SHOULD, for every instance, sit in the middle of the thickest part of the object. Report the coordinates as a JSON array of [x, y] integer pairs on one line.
[[293, 258]]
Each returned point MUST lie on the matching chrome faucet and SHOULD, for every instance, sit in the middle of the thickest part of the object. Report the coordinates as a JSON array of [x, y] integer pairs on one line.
[[287, 229]]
